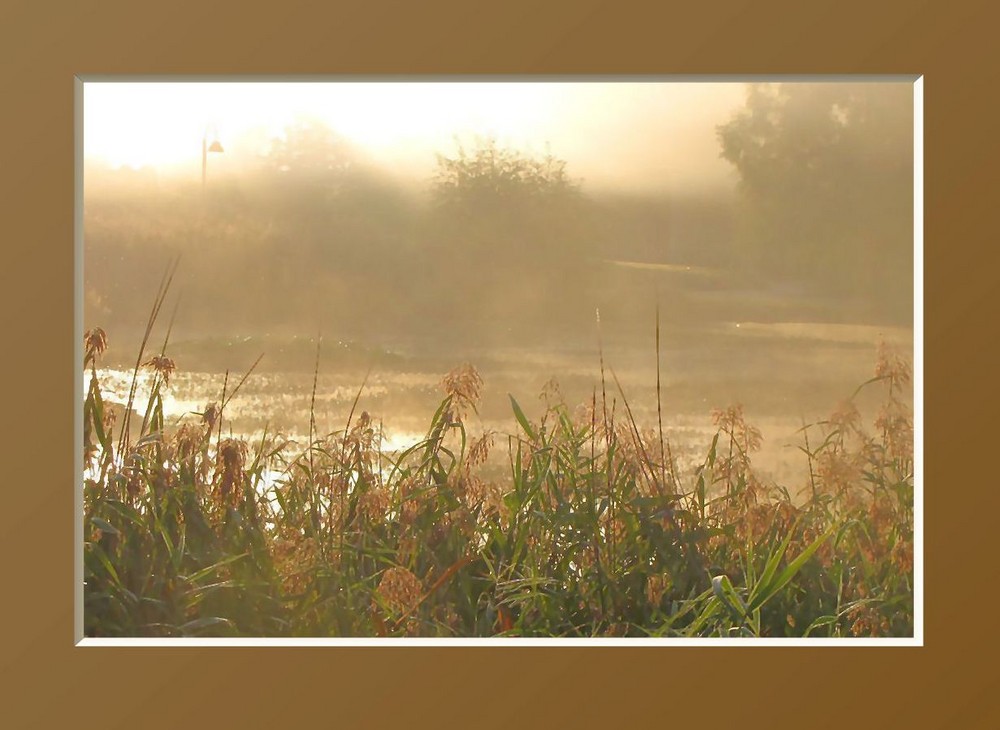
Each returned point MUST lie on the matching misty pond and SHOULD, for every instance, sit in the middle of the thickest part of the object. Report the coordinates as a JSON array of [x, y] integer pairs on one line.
[[784, 375], [618, 261]]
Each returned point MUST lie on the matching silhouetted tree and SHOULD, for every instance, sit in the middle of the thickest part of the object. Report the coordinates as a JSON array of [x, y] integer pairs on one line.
[[309, 149], [492, 196], [491, 175], [826, 174], [343, 215], [509, 225]]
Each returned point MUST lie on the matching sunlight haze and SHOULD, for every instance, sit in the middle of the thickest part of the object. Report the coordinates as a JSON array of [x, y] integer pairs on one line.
[[652, 136], [474, 359]]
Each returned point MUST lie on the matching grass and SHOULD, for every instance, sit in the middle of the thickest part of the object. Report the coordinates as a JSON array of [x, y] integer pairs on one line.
[[589, 529]]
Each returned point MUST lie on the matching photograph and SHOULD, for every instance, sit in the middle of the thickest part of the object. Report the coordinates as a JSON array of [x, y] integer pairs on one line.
[[468, 360]]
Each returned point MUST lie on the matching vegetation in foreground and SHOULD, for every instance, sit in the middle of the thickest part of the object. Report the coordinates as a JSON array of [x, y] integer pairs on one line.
[[589, 530]]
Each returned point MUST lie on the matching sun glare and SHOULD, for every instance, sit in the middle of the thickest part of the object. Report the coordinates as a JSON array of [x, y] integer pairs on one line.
[[162, 124], [424, 314], [604, 127]]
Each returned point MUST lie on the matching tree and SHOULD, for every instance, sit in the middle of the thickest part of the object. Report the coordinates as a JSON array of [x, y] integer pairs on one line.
[[491, 175], [310, 150], [826, 176], [507, 227], [493, 196]]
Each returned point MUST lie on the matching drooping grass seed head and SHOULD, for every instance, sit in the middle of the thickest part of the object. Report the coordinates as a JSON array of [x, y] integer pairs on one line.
[[229, 468], [210, 415], [399, 589], [891, 366], [163, 365], [479, 450], [95, 342], [464, 386]]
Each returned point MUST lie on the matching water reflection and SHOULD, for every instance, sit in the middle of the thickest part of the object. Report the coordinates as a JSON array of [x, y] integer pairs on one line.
[[785, 374]]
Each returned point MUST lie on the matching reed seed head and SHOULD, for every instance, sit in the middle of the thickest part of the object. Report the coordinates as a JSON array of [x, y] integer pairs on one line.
[[464, 385], [95, 342], [399, 589], [163, 365]]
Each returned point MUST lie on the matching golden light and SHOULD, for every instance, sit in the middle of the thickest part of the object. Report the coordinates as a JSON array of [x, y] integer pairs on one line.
[[606, 129]]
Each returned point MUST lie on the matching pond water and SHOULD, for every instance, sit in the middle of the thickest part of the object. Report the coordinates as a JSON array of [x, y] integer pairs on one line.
[[784, 374]]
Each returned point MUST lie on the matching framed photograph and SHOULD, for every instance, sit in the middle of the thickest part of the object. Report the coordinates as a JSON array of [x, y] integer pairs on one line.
[[607, 361], [599, 373]]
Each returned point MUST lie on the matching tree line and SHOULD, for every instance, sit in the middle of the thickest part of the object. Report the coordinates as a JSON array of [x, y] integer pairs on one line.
[[315, 234]]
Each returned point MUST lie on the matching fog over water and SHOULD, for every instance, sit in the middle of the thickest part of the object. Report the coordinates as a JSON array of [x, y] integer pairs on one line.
[[397, 230]]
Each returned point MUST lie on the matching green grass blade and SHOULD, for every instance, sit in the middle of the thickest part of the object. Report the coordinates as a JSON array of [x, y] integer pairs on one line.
[[521, 419]]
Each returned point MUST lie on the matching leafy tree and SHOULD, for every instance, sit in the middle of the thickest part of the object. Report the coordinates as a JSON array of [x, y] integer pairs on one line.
[[331, 204], [309, 149], [826, 175], [493, 196], [492, 175], [505, 226]]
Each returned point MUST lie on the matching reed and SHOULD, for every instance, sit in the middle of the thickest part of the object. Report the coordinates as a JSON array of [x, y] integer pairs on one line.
[[592, 531]]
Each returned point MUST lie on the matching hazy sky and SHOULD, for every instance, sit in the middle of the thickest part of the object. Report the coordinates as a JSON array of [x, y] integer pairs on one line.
[[646, 135]]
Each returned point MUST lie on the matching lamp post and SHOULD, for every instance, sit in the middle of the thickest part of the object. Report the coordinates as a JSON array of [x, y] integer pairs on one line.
[[205, 149]]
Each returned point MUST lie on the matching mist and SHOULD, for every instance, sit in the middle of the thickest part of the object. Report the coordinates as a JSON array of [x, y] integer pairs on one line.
[[627, 135], [304, 225], [499, 359], [764, 231]]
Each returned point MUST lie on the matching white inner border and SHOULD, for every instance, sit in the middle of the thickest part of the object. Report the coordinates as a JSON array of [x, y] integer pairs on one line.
[[918, 418]]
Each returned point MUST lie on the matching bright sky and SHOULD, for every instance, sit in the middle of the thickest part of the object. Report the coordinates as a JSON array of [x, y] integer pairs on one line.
[[634, 135]]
